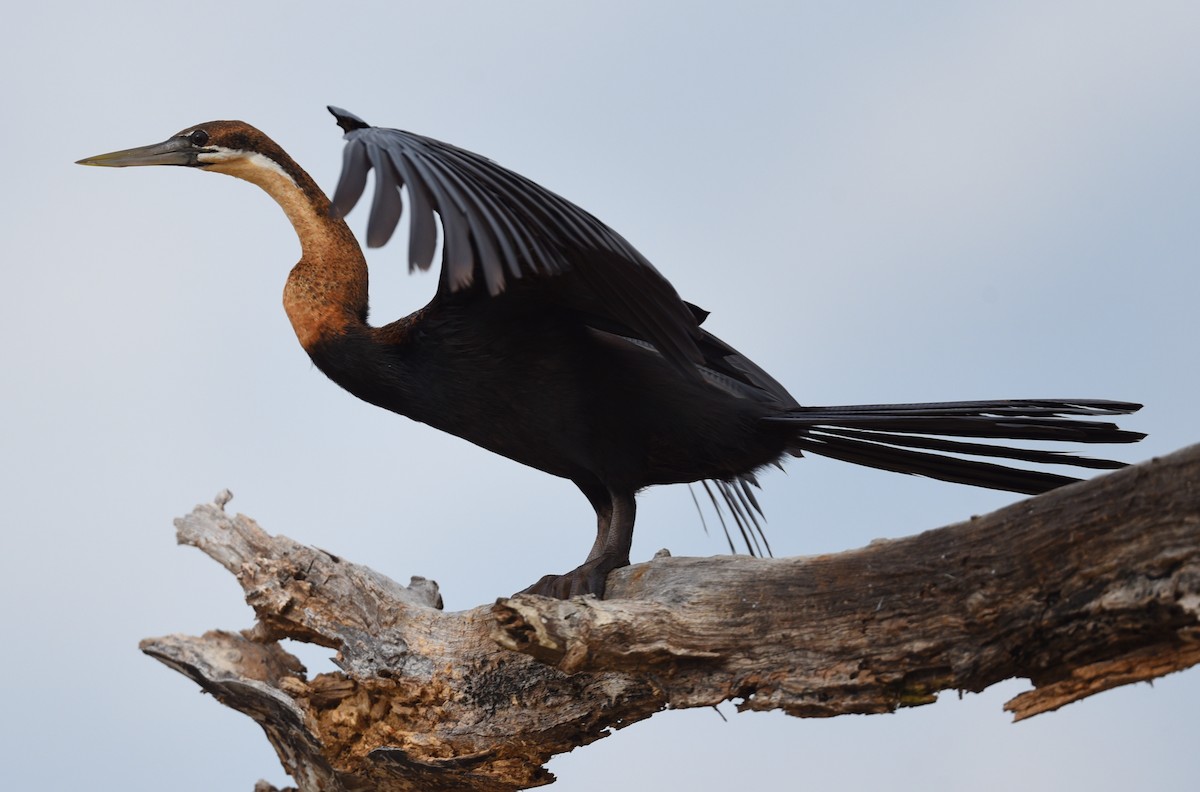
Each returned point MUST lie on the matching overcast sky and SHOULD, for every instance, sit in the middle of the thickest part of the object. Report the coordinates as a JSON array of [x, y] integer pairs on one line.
[[877, 204]]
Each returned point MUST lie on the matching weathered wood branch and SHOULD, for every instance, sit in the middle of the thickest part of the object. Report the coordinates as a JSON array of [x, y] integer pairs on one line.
[[1079, 590]]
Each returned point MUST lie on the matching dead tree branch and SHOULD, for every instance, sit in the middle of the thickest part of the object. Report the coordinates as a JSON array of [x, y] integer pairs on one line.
[[1079, 590]]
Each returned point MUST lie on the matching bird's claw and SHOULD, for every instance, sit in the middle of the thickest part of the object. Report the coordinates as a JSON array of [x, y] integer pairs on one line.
[[588, 578]]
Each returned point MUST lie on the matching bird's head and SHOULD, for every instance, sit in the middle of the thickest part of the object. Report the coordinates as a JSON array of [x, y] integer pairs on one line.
[[232, 147], [200, 146]]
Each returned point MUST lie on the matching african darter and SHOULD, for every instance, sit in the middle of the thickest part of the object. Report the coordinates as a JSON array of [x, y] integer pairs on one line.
[[553, 342]]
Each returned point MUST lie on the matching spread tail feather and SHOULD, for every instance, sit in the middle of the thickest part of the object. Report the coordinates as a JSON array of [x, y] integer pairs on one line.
[[884, 436]]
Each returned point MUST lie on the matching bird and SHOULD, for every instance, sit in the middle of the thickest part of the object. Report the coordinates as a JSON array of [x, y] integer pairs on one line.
[[552, 341]]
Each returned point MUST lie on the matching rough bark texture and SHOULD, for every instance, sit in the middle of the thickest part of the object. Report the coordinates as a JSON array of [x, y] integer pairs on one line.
[[1082, 589]]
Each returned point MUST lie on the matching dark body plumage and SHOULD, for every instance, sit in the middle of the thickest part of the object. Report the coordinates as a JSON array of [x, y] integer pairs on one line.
[[603, 409], [553, 342]]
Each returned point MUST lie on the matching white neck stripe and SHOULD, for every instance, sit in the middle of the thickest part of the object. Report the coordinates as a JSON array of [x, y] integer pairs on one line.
[[220, 154]]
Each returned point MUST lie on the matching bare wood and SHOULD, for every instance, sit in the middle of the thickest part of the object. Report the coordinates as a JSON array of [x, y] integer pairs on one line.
[[1079, 590]]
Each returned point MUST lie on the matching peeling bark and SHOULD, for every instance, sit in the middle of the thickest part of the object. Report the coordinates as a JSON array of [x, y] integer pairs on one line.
[[1079, 590]]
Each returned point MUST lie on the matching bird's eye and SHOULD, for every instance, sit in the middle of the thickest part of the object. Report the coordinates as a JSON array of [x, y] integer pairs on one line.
[[198, 137]]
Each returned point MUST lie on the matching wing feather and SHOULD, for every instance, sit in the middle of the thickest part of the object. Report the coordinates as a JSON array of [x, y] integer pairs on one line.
[[498, 227], [422, 238], [386, 205]]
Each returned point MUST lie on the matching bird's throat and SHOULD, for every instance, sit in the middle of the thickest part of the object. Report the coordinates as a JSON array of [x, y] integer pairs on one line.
[[326, 292], [325, 298]]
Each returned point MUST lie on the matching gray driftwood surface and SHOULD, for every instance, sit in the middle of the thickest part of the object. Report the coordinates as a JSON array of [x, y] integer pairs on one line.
[[1079, 590]]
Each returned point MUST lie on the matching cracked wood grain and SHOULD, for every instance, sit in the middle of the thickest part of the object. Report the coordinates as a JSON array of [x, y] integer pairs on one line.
[[1079, 590]]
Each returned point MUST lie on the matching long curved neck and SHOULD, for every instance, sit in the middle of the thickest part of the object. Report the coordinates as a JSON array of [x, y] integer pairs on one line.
[[326, 292]]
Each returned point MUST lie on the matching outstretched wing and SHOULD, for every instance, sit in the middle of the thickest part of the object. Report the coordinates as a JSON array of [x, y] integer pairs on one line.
[[498, 226]]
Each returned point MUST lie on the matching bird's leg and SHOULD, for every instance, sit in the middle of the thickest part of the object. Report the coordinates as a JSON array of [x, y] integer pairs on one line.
[[615, 514], [604, 513]]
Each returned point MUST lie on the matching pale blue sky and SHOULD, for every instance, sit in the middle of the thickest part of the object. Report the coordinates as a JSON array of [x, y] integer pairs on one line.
[[877, 204]]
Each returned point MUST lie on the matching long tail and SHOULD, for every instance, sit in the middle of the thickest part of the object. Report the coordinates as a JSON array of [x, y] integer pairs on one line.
[[885, 436]]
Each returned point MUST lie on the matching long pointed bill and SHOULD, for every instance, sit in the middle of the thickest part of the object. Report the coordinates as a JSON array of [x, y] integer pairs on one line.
[[174, 151]]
